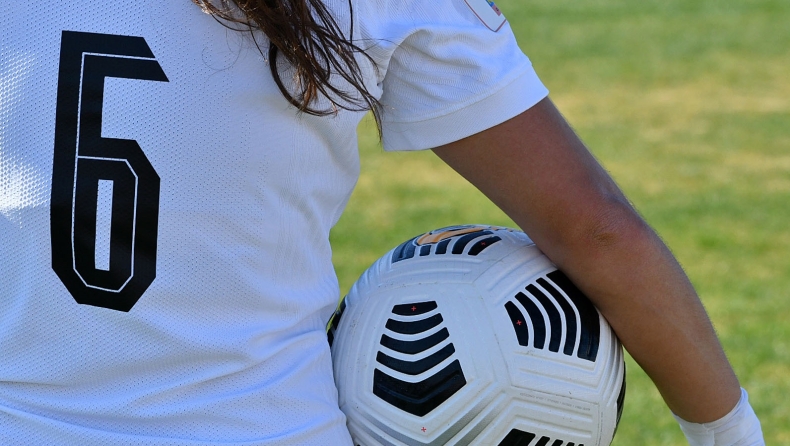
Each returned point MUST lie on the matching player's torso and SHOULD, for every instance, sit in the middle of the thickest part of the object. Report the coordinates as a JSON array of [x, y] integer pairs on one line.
[[164, 215]]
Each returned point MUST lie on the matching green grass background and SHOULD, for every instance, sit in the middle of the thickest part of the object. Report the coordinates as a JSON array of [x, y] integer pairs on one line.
[[687, 104]]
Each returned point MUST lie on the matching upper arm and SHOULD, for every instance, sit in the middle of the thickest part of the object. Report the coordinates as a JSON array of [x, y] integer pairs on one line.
[[538, 171]]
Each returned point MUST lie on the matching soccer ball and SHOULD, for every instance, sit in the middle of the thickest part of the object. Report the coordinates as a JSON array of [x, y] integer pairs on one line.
[[470, 335]]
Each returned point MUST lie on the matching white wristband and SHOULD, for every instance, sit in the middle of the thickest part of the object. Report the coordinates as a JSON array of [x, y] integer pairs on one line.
[[740, 427]]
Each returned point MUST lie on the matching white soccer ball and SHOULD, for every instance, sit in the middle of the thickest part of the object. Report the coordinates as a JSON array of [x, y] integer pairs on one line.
[[470, 335]]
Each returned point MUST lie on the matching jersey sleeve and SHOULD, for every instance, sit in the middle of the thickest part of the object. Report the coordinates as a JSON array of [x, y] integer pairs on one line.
[[443, 73]]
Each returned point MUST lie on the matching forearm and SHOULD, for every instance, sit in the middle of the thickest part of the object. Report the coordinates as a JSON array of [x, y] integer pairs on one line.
[[637, 284]]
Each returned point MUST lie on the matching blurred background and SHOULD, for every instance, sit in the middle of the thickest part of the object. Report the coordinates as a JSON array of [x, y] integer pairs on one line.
[[687, 104]]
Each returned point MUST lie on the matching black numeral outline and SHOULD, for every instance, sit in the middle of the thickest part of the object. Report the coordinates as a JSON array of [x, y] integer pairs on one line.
[[82, 157]]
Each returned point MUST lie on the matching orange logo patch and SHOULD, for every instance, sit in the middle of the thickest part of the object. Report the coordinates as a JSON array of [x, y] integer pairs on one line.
[[437, 235]]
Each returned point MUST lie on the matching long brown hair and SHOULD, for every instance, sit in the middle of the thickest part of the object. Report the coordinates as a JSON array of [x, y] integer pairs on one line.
[[311, 41]]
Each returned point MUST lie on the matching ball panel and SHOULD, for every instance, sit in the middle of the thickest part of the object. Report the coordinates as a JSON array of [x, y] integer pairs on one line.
[[542, 415], [414, 405]]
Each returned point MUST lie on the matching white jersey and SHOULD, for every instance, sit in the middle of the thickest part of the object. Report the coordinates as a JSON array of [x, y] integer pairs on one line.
[[165, 269]]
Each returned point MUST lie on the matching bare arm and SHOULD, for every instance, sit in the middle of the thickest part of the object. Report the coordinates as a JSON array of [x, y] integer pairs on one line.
[[536, 170]]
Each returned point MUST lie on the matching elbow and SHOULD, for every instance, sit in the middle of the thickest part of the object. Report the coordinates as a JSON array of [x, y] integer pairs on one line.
[[616, 222], [609, 227]]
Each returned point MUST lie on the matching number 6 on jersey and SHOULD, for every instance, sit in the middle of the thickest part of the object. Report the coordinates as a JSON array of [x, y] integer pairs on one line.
[[108, 268]]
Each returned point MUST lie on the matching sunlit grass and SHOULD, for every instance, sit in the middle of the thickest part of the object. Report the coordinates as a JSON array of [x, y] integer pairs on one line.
[[687, 104]]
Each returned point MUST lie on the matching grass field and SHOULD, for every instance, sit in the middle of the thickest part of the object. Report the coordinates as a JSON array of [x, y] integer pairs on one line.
[[687, 104]]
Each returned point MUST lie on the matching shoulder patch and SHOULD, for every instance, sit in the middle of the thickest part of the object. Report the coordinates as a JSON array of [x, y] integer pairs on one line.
[[488, 13]]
